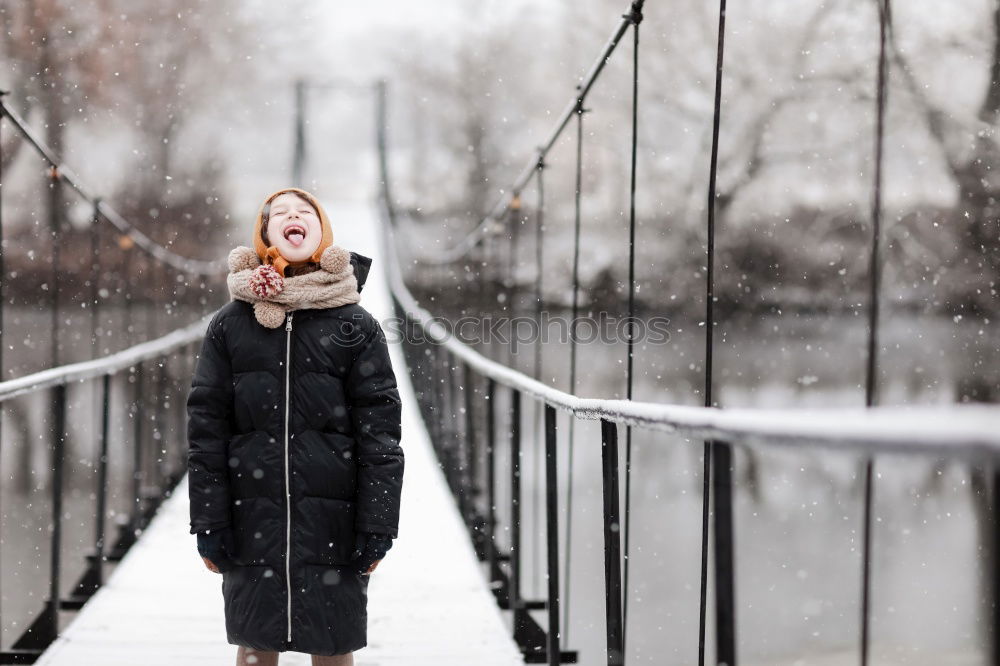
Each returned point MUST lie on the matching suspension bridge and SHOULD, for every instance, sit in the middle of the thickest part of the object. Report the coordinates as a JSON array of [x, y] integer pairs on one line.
[[490, 464]]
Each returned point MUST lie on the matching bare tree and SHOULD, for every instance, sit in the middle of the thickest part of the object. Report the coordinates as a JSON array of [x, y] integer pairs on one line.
[[970, 149]]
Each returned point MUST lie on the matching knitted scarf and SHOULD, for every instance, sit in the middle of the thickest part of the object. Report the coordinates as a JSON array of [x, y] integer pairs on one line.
[[272, 294]]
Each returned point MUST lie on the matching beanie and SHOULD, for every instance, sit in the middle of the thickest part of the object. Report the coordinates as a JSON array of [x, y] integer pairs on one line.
[[270, 254]]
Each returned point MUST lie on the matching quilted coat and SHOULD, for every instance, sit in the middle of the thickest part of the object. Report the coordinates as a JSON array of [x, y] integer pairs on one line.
[[294, 442]]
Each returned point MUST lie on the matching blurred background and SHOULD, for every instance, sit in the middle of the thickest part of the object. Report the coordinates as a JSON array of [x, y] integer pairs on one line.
[[181, 114]]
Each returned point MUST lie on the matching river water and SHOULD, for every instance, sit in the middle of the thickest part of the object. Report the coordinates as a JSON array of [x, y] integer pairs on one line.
[[798, 512]]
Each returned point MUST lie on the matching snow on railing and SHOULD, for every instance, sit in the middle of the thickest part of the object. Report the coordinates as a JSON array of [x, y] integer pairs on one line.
[[969, 431], [106, 365]]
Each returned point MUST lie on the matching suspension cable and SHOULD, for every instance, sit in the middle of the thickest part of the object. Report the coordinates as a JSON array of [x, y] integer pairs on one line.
[[474, 237], [708, 448], [871, 387], [537, 359], [65, 174], [635, 17], [572, 363]]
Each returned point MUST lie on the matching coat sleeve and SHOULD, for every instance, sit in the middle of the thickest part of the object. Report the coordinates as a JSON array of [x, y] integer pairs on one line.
[[376, 416], [210, 410]]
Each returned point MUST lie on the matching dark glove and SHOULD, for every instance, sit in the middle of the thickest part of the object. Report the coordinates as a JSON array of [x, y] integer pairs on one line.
[[219, 546], [368, 549]]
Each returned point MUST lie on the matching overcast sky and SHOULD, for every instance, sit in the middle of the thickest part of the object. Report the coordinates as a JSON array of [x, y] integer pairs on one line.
[[343, 41]]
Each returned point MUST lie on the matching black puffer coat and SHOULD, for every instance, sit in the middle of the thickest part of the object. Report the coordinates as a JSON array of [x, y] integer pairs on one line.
[[294, 442]]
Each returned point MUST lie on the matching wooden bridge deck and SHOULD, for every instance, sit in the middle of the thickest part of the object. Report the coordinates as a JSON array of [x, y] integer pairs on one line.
[[428, 600]]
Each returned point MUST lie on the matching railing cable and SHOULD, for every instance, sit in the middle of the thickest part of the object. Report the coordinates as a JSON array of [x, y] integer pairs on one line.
[[56, 210], [145, 243], [537, 360], [474, 237], [871, 368], [572, 361], [715, 452], [635, 17], [960, 432], [95, 272]]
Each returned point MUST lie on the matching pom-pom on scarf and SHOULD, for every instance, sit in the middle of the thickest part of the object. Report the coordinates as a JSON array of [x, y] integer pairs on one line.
[[272, 295]]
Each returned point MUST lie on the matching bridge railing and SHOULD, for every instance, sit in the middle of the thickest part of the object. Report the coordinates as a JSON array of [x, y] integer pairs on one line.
[[136, 386], [459, 388], [460, 402], [61, 173], [134, 404]]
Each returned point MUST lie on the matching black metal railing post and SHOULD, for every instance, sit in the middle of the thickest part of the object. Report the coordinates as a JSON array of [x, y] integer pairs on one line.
[[725, 594], [441, 402], [102, 481], [447, 419], [160, 467], [432, 395], [452, 445], [135, 517], [468, 444], [552, 534], [58, 465], [514, 587], [472, 454], [491, 482], [612, 543], [181, 415]]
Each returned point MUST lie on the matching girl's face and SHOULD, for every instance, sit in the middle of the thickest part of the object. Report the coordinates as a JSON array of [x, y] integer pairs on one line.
[[293, 227]]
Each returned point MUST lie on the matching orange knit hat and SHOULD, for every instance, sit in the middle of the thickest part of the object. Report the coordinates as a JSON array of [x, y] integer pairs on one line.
[[270, 254]]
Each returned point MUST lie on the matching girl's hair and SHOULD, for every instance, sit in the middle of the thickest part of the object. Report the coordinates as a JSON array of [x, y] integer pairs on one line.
[[289, 270]]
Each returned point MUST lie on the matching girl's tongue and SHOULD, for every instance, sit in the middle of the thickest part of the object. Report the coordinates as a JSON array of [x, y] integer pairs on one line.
[[295, 237]]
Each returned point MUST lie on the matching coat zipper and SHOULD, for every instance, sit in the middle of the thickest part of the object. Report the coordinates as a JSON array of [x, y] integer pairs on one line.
[[288, 493]]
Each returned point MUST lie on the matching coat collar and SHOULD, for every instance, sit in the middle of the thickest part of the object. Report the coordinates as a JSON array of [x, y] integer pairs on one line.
[[362, 265]]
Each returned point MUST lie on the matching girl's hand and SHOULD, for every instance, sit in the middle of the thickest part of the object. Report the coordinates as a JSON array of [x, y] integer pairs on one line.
[[211, 565], [216, 548], [369, 551]]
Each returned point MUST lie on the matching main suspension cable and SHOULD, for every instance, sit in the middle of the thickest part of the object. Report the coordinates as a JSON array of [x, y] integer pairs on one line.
[[64, 174]]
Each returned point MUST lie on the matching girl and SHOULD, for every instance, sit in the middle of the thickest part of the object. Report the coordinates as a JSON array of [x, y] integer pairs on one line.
[[294, 462]]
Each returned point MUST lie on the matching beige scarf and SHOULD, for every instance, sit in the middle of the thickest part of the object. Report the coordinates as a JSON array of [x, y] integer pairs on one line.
[[272, 294]]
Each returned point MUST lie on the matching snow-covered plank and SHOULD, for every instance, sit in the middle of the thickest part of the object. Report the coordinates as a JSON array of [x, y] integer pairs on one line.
[[428, 601]]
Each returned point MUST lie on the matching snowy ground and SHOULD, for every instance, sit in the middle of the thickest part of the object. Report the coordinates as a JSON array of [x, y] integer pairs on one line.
[[428, 601]]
